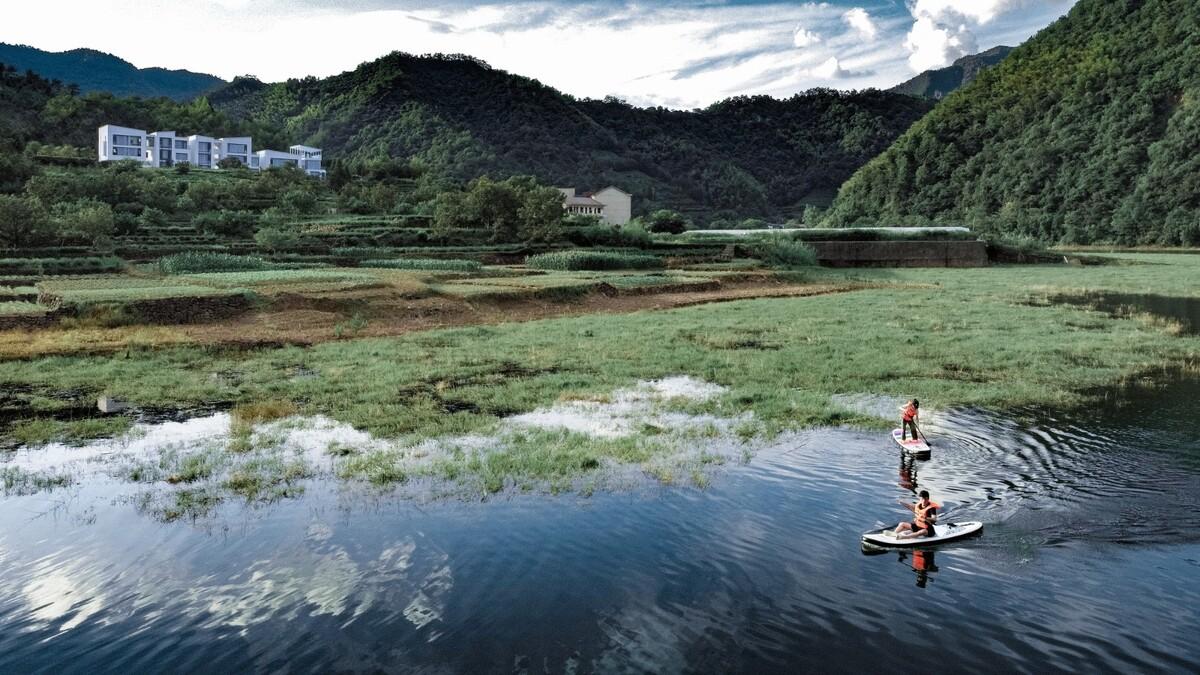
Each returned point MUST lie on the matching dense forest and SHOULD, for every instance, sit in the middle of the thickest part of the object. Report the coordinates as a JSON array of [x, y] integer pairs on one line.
[[1086, 133], [93, 71], [458, 119]]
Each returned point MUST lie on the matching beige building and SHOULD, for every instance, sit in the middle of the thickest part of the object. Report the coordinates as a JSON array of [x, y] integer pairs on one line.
[[611, 205]]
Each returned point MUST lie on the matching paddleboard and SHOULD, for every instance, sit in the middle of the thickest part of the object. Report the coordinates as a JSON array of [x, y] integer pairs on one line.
[[915, 446], [943, 532]]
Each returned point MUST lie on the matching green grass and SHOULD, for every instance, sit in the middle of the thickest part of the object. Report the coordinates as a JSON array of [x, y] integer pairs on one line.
[[21, 308], [141, 293], [41, 430], [948, 337], [567, 261], [449, 265], [195, 262], [51, 266], [273, 277]]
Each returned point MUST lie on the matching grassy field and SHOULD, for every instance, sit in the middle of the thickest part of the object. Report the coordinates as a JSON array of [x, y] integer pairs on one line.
[[967, 337]]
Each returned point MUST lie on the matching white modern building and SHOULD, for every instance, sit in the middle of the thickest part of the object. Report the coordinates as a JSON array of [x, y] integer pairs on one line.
[[611, 205], [117, 143], [166, 148]]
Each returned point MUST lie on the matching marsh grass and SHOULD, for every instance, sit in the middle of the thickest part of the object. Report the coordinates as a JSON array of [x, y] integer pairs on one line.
[[17, 481], [41, 430], [951, 337]]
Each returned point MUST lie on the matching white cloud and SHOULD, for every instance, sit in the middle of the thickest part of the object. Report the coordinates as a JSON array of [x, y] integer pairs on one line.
[[804, 38], [861, 21], [831, 69], [933, 45], [685, 55], [979, 11]]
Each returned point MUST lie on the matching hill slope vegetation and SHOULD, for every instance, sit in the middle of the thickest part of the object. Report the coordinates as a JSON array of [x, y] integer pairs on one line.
[[1086, 133], [92, 71], [459, 118]]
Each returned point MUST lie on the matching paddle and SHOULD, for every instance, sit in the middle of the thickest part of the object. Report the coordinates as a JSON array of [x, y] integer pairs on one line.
[[923, 436]]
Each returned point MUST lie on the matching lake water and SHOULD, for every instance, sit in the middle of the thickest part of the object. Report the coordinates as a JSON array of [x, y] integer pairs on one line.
[[1089, 562]]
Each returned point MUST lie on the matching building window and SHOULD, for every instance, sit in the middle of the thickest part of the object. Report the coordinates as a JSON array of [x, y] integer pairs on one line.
[[204, 146], [204, 159], [127, 152], [181, 157], [236, 148], [121, 139], [180, 144]]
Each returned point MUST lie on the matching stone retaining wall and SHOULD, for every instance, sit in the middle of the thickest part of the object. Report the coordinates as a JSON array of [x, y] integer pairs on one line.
[[901, 253]]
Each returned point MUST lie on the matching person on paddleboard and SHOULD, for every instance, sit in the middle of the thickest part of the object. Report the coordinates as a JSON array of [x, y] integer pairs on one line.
[[924, 517], [910, 413]]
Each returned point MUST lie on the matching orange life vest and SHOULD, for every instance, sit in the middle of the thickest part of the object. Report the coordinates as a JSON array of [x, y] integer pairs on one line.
[[909, 412], [920, 511]]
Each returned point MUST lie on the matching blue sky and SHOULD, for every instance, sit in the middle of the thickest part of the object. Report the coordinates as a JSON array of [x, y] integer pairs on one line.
[[678, 54]]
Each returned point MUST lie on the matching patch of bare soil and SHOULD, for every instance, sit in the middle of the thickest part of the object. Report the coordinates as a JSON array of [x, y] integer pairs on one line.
[[293, 322]]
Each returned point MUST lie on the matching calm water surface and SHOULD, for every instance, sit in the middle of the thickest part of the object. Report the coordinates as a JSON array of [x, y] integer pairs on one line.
[[1089, 561]]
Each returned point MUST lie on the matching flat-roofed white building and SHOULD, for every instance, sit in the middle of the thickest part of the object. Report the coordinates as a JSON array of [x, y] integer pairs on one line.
[[236, 147], [267, 159], [310, 159], [117, 143], [166, 148], [203, 151]]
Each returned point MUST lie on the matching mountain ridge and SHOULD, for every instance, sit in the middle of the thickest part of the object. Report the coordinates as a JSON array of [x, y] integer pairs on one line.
[[461, 118], [940, 82], [93, 70]]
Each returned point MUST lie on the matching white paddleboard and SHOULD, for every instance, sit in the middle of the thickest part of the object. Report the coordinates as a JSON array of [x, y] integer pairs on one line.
[[914, 446], [943, 532]]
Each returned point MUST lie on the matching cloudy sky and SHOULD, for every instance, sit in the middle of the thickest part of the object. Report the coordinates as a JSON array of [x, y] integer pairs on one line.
[[680, 54]]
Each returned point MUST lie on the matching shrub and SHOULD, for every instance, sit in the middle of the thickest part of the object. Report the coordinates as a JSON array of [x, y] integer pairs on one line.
[[225, 223], [566, 261], [633, 236], [428, 264], [276, 238], [781, 251], [229, 163], [666, 221], [183, 168], [188, 263]]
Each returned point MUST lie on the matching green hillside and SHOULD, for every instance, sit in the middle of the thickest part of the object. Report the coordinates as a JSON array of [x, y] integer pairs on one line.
[[460, 118], [1086, 133], [92, 70]]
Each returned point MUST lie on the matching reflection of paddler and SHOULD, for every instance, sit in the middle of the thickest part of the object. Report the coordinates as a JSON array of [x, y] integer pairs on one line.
[[908, 471], [922, 564]]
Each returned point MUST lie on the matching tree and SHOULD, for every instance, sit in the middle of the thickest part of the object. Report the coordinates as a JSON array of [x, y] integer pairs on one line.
[[514, 210], [665, 221], [276, 239], [22, 220], [87, 219]]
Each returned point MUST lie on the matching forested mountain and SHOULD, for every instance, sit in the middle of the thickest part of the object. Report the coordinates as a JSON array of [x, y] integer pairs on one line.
[[97, 71], [459, 119], [1089, 132], [33, 108], [939, 83]]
